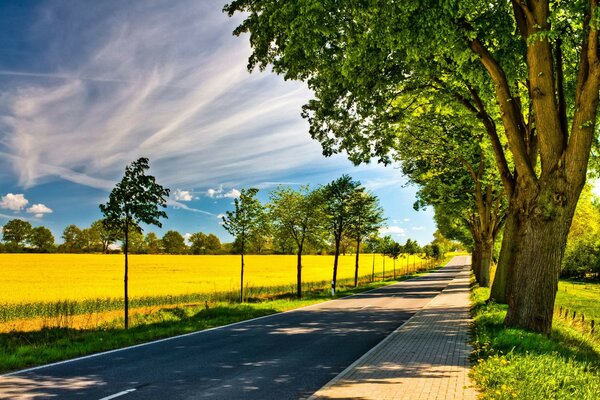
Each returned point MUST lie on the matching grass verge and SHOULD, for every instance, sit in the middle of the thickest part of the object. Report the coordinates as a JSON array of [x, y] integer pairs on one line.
[[25, 349], [516, 364]]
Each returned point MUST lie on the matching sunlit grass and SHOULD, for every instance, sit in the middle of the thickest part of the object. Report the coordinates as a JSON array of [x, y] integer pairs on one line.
[[513, 363]]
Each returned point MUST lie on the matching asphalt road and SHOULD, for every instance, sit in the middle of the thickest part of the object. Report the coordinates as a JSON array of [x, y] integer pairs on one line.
[[283, 356]]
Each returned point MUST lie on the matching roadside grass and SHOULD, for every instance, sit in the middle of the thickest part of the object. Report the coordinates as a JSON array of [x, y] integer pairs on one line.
[[20, 349], [516, 364]]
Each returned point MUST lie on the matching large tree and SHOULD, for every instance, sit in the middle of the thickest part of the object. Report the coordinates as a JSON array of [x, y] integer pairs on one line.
[[337, 203], [72, 239], [42, 239], [174, 243], [531, 67], [15, 233], [240, 223], [136, 199], [297, 214]]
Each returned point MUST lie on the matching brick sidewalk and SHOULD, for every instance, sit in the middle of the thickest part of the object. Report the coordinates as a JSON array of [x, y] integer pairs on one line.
[[426, 358]]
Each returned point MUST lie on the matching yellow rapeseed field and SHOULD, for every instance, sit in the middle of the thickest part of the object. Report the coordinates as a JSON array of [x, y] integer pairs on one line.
[[50, 277]]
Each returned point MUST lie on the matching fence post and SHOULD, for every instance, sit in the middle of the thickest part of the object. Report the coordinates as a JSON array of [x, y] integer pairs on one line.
[[560, 312], [593, 326], [574, 314]]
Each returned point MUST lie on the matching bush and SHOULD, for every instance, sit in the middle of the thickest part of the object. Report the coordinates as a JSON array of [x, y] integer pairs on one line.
[[581, 258]]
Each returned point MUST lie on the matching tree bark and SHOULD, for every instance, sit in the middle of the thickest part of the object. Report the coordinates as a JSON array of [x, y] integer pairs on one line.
[[299, 274], [335, 266], [499, 291], [356, 264], [476, 259], [125, 278], [242, 280], [485, 262], [544, 218]]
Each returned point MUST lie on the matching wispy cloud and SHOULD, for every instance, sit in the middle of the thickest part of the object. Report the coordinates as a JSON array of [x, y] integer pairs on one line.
[[168, 82], [393, 230], [178, 205]]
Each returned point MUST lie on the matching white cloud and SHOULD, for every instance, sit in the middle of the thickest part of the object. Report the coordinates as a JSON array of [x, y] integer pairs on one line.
[[39, 210], [392, 230], [182, 195], [14, 202], [418, 228], [221, 193], [406, 219], [232, 194]]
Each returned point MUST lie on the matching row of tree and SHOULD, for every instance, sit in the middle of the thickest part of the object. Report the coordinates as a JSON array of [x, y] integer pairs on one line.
[[19, 236], [495, 101]]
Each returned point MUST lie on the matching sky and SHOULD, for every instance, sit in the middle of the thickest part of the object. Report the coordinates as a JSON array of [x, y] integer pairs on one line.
[[88, 87]]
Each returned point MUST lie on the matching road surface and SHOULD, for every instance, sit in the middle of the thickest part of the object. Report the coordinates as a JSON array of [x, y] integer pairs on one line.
[[284, 356]]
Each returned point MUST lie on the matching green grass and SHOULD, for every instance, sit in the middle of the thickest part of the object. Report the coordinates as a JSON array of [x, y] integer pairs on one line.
[[25, 349], [513, 363], [583, 297]]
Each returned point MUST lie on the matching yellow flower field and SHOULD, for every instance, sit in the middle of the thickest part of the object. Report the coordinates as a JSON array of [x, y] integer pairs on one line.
[[29, 278]]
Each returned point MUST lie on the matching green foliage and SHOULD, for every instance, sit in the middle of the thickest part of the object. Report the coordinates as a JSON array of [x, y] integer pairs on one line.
[[243, 219], [15, 233], [337, 207], [152, 243], [135, 199], [174, 243], [72, 240], [42, 239]]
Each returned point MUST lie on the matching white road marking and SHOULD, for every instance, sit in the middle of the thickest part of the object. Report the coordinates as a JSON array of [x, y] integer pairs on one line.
[[114, 396]]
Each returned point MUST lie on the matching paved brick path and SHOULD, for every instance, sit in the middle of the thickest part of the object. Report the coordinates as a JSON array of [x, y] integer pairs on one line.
[[426, 358]]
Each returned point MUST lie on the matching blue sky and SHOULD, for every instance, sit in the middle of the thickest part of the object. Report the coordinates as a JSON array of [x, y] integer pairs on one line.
[[88, 87]]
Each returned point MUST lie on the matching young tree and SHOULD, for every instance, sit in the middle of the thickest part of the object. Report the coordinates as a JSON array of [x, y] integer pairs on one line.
[[135, 199], [42, 239], [366, 218], [261, 233], [337, 197], [532, 67], [296, 215], [15, 233], [394, 251], [174, 243], [240, 222]]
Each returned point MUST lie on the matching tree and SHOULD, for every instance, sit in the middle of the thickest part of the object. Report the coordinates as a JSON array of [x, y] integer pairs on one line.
[[72, 239], [105, 235], [366, 218], [296, 215], [212, 244], [174, 243], [42, 239], [153, 243], [386, 245], [135, 199], [337, 197], [394, 251], [15, 233], [261, 232], [240, 222], [197, 243], [531, 67]]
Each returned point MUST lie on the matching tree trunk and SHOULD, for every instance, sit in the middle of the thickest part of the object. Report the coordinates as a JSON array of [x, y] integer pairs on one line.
[[125, 278], [356, 264], [394, 268], [373, 270], [476, 259], [544, 219], [485, 263], [299, 273], [383, 273], [499, 291], [242, 279], [335, 266]]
